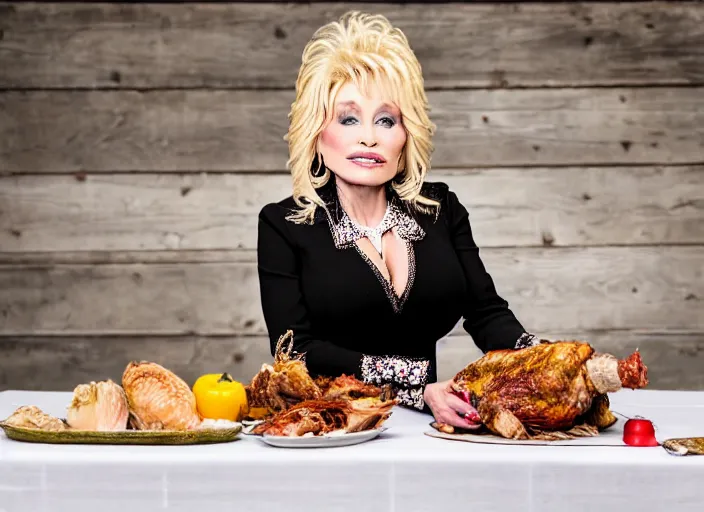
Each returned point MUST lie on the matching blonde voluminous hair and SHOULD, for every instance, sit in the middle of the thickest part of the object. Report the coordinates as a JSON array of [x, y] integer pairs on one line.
[[365, 50]]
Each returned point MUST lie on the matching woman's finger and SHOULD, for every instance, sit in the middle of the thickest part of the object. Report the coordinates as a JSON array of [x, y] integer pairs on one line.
[[460, 405], [459, 422], [472, 426], [446, 406], [449, 416], [465, 410]]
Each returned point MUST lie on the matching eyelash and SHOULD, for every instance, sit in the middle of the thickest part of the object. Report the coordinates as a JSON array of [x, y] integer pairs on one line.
[[390, 122]]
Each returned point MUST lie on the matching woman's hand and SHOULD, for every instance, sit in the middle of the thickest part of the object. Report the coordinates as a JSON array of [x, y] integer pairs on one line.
[[449, 409]]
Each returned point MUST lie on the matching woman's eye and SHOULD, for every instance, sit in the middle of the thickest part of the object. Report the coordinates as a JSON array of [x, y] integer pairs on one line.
[[387, 121]]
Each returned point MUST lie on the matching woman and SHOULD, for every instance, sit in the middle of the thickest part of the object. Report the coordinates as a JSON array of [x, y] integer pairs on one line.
[[367, 263]]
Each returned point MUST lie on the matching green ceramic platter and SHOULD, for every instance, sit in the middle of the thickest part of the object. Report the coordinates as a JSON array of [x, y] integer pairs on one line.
[[145, 437]]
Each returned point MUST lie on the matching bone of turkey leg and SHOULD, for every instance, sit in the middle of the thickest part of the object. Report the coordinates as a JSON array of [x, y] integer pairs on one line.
[[546, 386]]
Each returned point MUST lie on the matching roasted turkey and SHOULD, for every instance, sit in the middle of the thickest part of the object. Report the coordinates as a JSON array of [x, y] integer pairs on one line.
[[287, 382], [550, 387], [295, 404]]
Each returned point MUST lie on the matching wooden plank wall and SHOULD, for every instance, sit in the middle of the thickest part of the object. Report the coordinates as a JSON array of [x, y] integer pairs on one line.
[[139, 141]]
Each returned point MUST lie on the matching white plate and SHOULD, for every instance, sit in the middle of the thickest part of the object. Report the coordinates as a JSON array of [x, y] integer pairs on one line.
[[324, 441]]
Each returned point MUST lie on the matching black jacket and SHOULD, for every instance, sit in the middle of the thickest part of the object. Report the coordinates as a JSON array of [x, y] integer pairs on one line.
[[346, 318]]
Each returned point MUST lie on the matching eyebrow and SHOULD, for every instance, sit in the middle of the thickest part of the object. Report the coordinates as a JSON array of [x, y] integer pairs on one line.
[[352, 104]]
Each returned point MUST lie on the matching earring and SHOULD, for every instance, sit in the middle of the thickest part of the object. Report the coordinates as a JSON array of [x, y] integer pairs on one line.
[[317, 168]]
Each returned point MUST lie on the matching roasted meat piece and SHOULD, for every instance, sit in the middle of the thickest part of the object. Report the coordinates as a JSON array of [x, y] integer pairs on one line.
[[158, 399], [31, 416], [310, 416], [547, 387], [684, 446], [316, 406], [324, 416], [348, 387], [284, 384], [368, 413]]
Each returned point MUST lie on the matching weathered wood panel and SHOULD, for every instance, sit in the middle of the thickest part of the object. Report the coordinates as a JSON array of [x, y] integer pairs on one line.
[[60, 364], [674, 359], [508, 207], [184, 131], [126, 257], [212, 298], [205, 45], [549, 289]]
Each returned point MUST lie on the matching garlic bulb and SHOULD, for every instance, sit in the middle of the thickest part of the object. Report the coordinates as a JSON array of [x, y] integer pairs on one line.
[[98, 406], [158, 398]]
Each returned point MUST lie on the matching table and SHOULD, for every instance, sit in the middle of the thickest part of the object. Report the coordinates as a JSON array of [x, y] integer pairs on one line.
[[403, 470]]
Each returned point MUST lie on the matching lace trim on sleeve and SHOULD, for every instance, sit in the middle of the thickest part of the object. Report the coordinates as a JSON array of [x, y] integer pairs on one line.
[[411, 397], [527, 340], [403, 371]]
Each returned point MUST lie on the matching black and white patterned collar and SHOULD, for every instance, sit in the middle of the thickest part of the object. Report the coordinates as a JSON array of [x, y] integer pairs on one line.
[[345, 232]]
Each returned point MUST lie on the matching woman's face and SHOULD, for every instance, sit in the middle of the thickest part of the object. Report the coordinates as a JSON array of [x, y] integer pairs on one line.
[[363, 143]]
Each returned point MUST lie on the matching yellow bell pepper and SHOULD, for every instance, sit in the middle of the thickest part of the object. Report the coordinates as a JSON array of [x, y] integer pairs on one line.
[[218, 396]]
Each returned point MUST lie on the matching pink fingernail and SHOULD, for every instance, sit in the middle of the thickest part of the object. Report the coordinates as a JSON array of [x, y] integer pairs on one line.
[[472, 417]]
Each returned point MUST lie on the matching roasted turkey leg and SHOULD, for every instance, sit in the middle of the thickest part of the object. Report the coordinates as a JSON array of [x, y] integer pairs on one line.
[[500, 420]]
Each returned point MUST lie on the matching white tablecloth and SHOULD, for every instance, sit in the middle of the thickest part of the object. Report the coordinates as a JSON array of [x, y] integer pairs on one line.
[[403, 470]]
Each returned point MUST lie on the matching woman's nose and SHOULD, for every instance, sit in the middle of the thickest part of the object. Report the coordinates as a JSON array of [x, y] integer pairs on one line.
[[368, 137]]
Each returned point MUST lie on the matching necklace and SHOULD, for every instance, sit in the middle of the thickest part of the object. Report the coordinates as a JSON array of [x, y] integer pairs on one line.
[[374, 234]]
